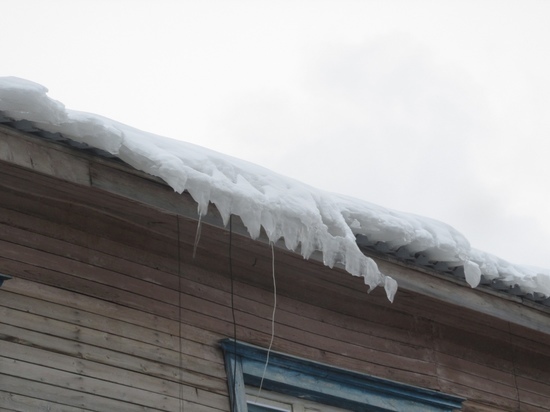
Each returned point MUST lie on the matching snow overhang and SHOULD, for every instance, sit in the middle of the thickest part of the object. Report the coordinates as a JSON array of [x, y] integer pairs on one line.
[[306, 220]]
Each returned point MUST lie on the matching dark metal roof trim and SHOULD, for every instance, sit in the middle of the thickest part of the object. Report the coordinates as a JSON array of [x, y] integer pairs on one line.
[[381, 249]]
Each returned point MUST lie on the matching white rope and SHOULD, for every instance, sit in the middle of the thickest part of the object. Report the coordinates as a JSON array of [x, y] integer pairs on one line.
[[272, 320], [179, 319]]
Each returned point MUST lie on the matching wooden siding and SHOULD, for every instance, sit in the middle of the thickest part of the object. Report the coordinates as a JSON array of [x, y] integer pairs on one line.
[[105, 307]]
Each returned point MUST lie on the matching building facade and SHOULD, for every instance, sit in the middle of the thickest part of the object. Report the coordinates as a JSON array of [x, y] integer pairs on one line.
[[121, 299]]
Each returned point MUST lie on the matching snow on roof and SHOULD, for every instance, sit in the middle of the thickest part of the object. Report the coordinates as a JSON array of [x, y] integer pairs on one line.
[[307, 219]]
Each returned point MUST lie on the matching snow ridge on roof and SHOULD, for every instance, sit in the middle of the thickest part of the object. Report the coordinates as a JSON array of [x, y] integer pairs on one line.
[[307, 219]]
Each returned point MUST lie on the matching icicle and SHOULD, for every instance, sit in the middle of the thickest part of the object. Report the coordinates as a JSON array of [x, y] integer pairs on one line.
[[197, 237], [472, 272]]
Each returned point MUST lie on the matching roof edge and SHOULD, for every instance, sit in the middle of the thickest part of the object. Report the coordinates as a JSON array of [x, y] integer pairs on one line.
[[116, 177]]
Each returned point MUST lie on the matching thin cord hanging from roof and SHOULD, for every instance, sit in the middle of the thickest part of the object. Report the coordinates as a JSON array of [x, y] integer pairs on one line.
[[272, 319], [233, 312], [514, 362], [179, 317]]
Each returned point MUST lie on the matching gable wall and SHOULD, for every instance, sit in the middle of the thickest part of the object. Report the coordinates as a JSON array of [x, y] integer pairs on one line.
[[92, 319]]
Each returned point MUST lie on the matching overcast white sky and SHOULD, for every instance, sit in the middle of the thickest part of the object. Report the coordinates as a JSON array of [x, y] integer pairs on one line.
[[439, 108]]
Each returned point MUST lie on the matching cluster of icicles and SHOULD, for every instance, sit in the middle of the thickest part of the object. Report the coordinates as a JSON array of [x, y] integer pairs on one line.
[[305, 218]]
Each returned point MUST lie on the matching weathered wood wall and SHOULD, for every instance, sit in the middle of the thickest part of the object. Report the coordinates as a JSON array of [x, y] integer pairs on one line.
[[108, 311]]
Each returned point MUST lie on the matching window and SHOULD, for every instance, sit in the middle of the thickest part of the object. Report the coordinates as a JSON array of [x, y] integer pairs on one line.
[[266, 401], [293, 383]]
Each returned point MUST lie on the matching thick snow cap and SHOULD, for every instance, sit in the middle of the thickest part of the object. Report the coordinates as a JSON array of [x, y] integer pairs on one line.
[[307, 219]]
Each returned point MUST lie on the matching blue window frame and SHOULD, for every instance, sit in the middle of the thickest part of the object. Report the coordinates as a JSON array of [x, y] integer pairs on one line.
[[324, 384]]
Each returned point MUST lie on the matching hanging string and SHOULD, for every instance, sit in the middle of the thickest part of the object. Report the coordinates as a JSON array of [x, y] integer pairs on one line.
[[234, 397], [272, 319], [179, 316], [514, 363]]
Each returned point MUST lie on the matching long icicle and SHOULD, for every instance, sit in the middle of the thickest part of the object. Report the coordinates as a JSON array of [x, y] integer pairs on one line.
[[197, 237]]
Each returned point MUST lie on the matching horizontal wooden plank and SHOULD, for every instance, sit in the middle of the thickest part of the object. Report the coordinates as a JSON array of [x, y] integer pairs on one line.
[[539, 400], [48, 245], [534, 368], [114, 310], [479, 383], [488, 374], [74, 268], [482, 397], [365, 365], [72, 401], [537, 387], [70, 299], [87, 287], [478, 349], [63, 397], [77, 335], [354, 352], [154, 194], [18, 217], [20, 403], [474, 406], [77, 393], [450, 315], [525, 407], [533, 365], [196, 342], [81, 309], [87, 215], [30, 154], [531, 340], [78, 350], [29, 184], [56, 335], [103, 372], [300, 321]]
